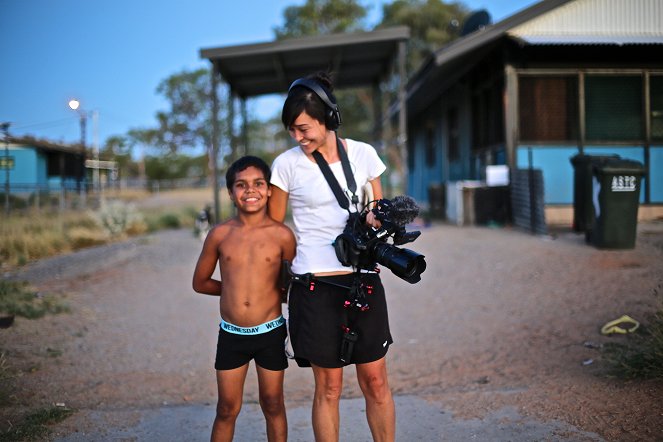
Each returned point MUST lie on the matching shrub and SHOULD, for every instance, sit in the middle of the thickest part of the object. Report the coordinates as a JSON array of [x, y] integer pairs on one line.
[[35, 425], [18, 299], [117, 217], [170, 221]]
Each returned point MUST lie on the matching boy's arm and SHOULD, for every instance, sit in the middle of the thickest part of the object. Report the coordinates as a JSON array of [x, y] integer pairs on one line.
[[202, 275]]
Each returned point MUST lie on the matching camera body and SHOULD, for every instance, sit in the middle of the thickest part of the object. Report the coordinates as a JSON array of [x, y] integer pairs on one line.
[[363, 247]]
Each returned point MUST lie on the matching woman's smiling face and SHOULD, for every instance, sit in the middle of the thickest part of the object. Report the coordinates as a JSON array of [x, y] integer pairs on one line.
[[308, 132]]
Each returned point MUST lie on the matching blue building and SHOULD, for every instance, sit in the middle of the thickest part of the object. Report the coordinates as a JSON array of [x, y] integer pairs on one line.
[[38, 165], [559, 78]]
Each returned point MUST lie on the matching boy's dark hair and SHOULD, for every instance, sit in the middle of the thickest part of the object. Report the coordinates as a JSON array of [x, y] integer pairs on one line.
[[243, 163], [302, 99]]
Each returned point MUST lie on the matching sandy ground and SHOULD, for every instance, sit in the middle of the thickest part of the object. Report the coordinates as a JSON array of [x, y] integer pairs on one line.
[[497, 342]]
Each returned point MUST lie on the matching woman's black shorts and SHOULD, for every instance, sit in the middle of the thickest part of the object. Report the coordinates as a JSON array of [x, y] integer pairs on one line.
[[317, 318]]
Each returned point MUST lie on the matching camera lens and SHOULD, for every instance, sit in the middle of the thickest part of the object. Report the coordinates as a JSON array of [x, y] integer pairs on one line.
[[404, 263]]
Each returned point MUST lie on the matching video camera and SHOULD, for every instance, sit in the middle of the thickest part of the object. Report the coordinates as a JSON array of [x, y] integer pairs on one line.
[[363, 247]]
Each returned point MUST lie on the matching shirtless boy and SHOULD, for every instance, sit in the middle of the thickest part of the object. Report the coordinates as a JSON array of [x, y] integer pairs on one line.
[[249, 249]]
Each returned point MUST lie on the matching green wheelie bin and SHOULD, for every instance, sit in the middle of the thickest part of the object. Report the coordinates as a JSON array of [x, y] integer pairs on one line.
[[583, 212], [616, 194]]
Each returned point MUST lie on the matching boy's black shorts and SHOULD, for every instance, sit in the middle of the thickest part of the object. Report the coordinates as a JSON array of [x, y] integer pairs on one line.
[[316, 318], [268, 350]]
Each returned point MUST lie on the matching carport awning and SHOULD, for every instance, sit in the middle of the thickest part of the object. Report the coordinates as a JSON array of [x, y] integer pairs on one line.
[[357, 59]]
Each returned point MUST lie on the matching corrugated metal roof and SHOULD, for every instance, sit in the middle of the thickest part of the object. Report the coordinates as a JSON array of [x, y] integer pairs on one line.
[[589, 40], [596, 22], [45, 145]]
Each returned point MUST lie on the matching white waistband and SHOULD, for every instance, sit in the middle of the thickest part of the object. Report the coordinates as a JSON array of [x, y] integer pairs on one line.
[[257, 330]]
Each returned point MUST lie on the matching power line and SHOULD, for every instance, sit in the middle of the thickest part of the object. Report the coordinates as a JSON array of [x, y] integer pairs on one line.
[[46, 124]]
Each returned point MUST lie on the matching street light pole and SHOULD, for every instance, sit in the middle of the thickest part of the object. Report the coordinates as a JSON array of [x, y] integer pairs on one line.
[[95, 129], [75, 105]]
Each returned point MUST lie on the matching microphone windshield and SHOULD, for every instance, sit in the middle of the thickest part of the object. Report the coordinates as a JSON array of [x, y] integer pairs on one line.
[[404, 210]]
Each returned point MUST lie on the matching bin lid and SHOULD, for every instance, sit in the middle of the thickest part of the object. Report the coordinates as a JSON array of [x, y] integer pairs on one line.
[[620, 166], [582, 158]]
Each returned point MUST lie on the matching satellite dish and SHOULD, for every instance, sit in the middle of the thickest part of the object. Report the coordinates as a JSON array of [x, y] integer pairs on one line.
[[476, 21]]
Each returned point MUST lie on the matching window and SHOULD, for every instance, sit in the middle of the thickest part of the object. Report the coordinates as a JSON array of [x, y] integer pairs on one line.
[[548, 108], [656, 104], [487, 116], [430, 145], [452, 130], [613, 108]]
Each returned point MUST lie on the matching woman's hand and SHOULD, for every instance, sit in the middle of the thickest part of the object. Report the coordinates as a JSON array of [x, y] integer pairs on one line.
[[372, 221]]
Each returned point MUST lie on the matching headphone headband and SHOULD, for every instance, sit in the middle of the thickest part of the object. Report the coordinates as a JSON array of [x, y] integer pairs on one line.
[[334, 117]]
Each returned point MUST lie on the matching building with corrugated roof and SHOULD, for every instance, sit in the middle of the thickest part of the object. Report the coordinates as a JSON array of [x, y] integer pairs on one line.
[[559, 78], [39, 165]]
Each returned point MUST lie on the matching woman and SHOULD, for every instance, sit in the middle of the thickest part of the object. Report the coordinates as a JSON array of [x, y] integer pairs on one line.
[[318, 318]]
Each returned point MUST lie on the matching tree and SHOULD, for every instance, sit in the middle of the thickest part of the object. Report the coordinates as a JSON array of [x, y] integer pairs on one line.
[[172, 166], [118, 148], [432, 23], [325, 17], [187, 124], [321, 17]]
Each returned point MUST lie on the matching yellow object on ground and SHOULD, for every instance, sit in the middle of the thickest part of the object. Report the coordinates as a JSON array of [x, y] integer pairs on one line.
[[616, 326]]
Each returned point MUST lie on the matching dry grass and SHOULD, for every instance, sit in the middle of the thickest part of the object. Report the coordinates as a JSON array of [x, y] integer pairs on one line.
[[33, 235]]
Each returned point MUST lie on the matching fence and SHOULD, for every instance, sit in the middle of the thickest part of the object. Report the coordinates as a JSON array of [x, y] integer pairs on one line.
[[24, 196]]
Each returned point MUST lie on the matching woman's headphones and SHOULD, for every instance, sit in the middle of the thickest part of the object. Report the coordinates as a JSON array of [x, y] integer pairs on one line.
[[333, 115]]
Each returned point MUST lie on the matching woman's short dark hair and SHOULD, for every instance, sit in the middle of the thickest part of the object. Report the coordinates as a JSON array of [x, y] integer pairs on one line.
[[302, 99], [244, 163]]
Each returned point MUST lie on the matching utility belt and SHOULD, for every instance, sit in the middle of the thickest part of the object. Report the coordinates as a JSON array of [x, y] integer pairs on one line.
[[355, 300]]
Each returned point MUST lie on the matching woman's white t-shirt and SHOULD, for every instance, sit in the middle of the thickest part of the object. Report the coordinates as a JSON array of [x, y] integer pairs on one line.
[[317, 216]]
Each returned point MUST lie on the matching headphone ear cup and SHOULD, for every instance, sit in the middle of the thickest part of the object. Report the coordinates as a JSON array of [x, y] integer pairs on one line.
[[332, 119], [332, 114]]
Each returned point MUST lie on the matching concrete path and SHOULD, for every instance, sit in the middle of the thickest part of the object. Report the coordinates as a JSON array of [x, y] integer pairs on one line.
[[418, 420]]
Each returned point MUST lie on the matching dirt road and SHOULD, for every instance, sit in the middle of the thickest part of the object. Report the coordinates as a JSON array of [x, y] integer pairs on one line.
[[496, 343]]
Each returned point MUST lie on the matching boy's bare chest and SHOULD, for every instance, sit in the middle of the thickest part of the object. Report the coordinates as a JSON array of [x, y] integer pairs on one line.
[[249, 249]]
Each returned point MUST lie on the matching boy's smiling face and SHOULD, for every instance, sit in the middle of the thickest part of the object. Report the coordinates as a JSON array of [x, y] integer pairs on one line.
[[250, 190]]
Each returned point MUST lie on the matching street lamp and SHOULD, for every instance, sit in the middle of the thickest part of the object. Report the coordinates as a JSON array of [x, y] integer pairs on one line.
[[80, 168], [75, 105]]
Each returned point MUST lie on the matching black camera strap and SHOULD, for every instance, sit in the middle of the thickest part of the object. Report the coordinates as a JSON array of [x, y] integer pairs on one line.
[[331, 179], [350, 336]]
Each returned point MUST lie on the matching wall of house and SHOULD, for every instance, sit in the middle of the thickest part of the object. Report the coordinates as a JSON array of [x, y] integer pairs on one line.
[[558, 172], [31, 170], [656, 163], [432, 125], [25, 169]]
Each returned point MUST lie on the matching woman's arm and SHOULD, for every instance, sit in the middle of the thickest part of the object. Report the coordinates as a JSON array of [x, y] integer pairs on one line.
[[376, 185], [278, 201]]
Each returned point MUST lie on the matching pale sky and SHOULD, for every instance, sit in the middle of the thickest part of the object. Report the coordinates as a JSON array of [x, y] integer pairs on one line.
[[112, 54]]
